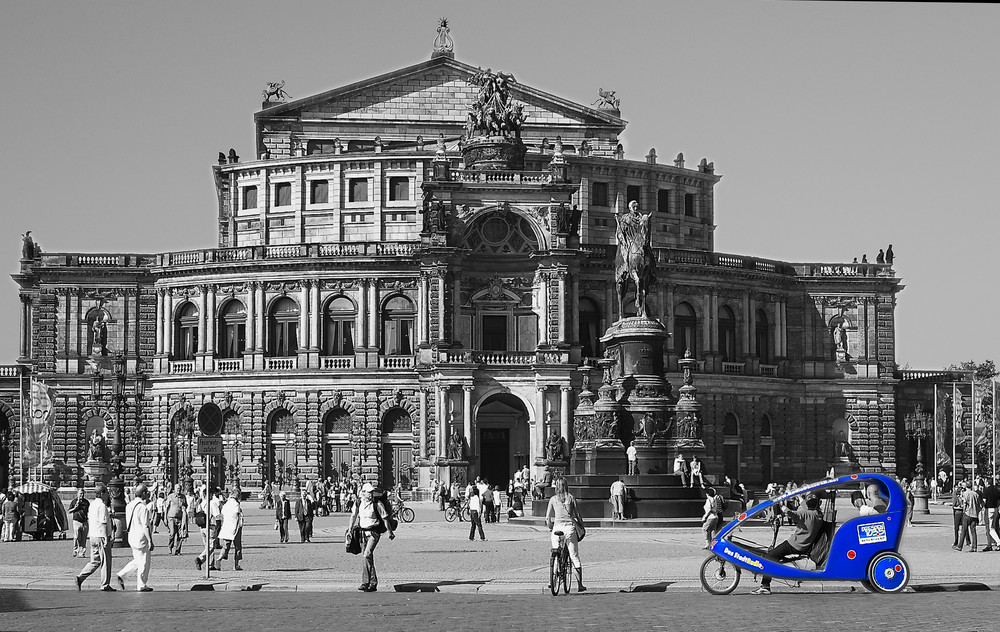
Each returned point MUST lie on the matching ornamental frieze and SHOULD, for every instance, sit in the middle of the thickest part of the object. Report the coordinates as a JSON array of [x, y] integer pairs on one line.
[[283, 287], [397, 284], [837, 302], [232, 289], [339, 285]]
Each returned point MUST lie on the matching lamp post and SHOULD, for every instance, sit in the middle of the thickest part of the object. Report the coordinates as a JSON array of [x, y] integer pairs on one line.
[[120, 397], [918, 425]]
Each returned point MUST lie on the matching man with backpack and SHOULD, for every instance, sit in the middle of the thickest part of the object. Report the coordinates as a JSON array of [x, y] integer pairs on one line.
[[711, 521], [372, 517]]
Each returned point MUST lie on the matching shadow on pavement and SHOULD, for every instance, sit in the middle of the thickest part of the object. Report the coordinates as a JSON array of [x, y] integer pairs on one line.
[[432, 586], [13, 601], [956, 587], [657, 587]]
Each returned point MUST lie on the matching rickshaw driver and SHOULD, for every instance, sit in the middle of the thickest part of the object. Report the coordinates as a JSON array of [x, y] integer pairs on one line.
[[808, 525]]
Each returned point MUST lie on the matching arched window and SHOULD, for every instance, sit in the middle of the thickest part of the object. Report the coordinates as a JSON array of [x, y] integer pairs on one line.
[[765, 426], [731, 426], [395, 421], [186, 332], [685, 330], [284, 322], [338, 327], [727, 334], [337, 421], [590, 323], [762, 337], [232, 330], [397, 326]]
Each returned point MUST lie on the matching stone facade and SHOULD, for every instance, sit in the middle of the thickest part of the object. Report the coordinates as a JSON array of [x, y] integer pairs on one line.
[[341, 330]]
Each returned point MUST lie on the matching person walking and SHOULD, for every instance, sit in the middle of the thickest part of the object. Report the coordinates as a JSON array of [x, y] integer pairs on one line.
[[475, 514], [958, 512], [971, 506], [175, 512], [209, 530], [562, 515], [100, 525], [373, 520], [489, 506], [712, 517], [303, 515], [991, 498], [231, 533], [79, 509], [282, 513], [633, 459], [138, 525], [9, 517], [618, 495]]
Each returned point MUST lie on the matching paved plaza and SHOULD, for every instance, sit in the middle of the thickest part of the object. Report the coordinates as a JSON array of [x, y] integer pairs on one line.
[[432, 555]]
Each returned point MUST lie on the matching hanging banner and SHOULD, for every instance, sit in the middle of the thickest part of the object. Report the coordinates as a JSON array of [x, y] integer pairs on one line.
[[37, 434], [942, 438]]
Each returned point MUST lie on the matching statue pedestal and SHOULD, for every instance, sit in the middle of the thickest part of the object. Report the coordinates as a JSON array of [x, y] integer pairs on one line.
[[96, 470], [840, 468], [557, 467], [653, 458], [606, 457], [454, 471]]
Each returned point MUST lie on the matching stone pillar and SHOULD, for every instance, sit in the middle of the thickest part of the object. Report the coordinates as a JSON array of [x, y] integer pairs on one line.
[[538, 436], [441, 306], [423, 422], [564, 413], [360, 326], [25, 329], [543, 316], [456, 316], [563, 333], [315, 317], [210, 319], [668, 316], [261, 315], [168, 323], [373, 314], [304, 315], [440, 432], [467, 416], [159, 321], [202, 318], [251, 318]]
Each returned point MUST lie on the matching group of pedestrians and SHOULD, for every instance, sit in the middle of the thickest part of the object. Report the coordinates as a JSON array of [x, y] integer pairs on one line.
[[100, 531], [975, 504], [12, 510]]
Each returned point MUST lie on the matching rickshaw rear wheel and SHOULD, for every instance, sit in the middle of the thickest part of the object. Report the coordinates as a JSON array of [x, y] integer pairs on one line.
[[719, 576], [888, 572]]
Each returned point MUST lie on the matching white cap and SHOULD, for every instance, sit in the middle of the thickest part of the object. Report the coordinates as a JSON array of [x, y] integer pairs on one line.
[[367, 487]]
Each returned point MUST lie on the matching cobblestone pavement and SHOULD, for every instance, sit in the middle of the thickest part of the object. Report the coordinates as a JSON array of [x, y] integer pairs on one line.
[[385, 612], [433, 555]]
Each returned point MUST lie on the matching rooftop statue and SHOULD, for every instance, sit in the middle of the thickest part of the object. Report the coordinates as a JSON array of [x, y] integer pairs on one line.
[[606, 100], [493, 113], [443, 42], [634, 260], [276, 90]]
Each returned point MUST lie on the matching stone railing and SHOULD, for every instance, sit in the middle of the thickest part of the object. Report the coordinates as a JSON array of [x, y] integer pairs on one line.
[[769, 370], [10, 371], [941, 376], [280, 364], [180, 366], [504, 358], [395, 362], [337, 362], [228, 365], [733, 368], [844, 269], [508, 177]]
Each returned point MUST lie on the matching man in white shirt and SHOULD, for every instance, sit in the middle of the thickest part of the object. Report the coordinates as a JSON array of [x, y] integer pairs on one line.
[[618, 492], [99, 519], [232, 530], [681, 468], [137, 524], [633, 459]]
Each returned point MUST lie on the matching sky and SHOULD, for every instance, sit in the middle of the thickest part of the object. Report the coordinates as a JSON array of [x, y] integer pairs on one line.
[[838, 128]]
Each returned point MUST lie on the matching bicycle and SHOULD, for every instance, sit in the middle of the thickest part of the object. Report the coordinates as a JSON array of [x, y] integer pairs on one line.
[[454, 512], [559, 566], [405, 513]]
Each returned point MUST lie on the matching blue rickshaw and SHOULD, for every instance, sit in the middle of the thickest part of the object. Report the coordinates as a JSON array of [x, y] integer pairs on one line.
[[860, 544]]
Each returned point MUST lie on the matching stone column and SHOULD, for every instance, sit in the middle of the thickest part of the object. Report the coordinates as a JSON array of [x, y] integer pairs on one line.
[[748, 324], [359, 326], [251, 317], [202, 318], [314, 317], [543, 317], [261, 315], [564, 413], [538, 436], [441, 307], [25, 329], [423, 309], [423, 422], [168, 323], [210, 318], [467, 415], [563, 333], [373, 314], [304, 315], [159, 321], [440, 432], [668, 317], [456, 316]]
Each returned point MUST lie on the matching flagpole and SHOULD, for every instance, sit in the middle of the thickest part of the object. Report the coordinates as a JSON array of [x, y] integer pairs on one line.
[[934, 461], [954, 435], [993, 431], [20, 395], [972, 434]]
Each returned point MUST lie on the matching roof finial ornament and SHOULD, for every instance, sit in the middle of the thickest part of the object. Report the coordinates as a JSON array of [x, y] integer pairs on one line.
[[444, 46]]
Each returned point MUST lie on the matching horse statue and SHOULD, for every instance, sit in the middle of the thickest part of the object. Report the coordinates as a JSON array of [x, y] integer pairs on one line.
[[606, 99], [276, 90], [634, 259]]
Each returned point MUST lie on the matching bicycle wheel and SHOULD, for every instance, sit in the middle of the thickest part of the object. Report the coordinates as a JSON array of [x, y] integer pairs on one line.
[[554, 575], [450, 514], [407, 514], [719, 576], [466, 514], [564, 562], [888, 572]]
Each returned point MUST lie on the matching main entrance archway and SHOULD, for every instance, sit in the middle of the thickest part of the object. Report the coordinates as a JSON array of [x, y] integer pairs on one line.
[[502, 424], [397, 448]]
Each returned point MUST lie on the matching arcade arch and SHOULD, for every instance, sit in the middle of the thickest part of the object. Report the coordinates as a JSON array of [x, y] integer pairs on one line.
[[504, 437]]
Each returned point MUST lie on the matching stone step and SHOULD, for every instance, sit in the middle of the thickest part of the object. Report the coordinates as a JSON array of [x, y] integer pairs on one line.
[[639, 493], [632, 523]]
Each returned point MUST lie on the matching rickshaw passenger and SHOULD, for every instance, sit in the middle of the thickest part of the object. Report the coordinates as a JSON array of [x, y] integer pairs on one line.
[[808, 527]]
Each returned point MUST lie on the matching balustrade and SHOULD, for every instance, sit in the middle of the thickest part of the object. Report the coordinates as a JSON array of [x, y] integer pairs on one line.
[[396, 362], [337, 362], [733, 368], [228, 365], [180, 366], [280, 364], [769, 370]]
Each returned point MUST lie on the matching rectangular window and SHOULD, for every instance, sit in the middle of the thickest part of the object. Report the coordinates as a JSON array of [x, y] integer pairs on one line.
[[283, 194], [599, 193], [319, 192], [663, 201], [399, 189], [321, 147], [494, 333], [689, 204], [633, 193], [250, 197], [357, 190]]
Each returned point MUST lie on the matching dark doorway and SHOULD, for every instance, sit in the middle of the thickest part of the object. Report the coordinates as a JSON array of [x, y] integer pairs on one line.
[[282, 460], [765, 465], [494, 333], [396, 463], [337, 464], [494, 452]]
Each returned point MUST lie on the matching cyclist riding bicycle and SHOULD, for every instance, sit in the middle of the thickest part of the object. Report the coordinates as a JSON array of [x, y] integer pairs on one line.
[[563, 516]]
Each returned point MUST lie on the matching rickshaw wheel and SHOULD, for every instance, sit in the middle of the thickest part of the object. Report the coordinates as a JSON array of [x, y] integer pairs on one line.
[[888, 572], [719, 576]]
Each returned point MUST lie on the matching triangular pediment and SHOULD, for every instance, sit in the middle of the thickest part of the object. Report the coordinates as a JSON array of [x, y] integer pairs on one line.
[[437, 92]]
